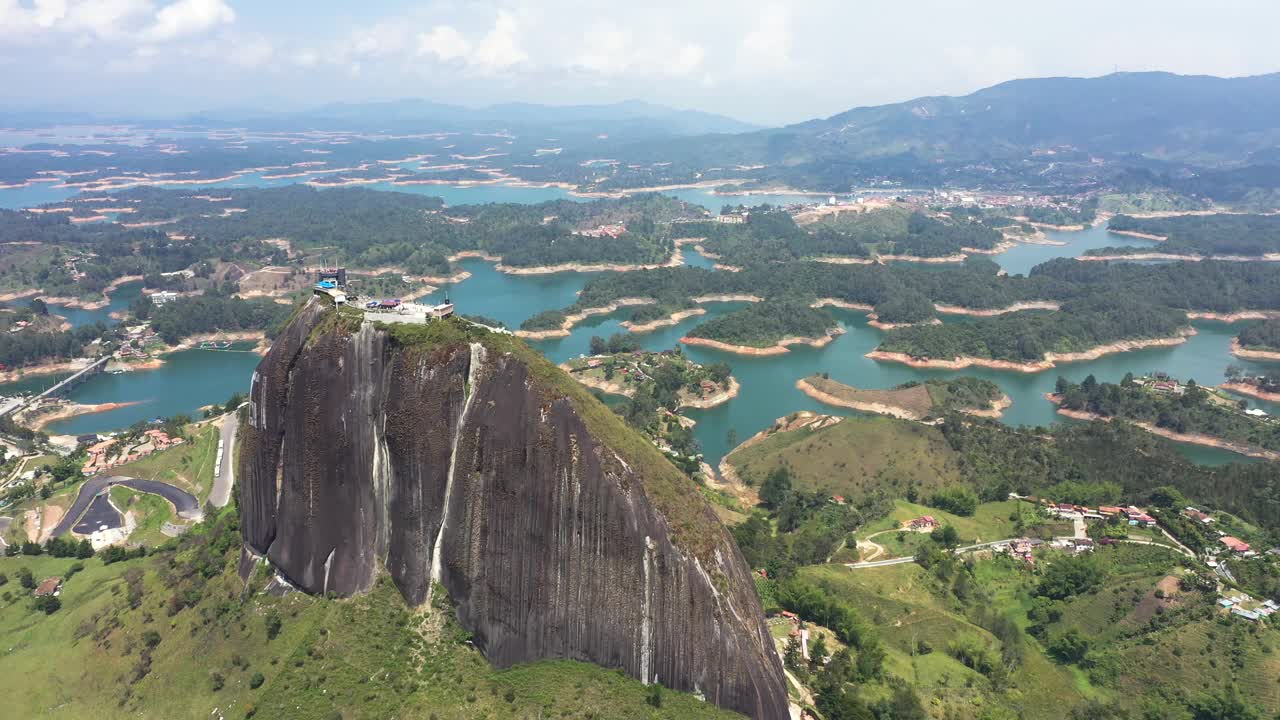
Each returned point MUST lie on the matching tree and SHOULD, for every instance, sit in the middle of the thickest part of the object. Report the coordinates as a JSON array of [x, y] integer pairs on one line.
[[49, 604], [1061, 385], [1070, 576], [256, 681], [84, 550], [776, 487], [273, 624], [1233, 372], [654, 695], [1070, 646], [26, 579], [792, 655], [818, 652], [216, 681], [946, 536], [599, 346]]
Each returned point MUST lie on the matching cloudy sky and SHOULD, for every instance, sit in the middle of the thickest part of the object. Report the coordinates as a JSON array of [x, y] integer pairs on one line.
[[766, 61]]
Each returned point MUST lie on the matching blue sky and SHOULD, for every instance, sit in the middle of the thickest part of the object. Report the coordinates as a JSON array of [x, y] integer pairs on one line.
[[766, 61]]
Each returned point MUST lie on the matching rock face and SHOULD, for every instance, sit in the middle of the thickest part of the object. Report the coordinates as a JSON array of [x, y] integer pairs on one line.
[[462, 460]]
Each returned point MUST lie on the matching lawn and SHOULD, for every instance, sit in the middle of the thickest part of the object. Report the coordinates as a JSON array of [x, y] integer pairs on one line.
[[856, 457], [990, 521], [150, 512], [189, 466]]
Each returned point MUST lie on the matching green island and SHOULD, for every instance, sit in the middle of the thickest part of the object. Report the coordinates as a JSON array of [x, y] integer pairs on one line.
[[1034, 339], [767, 326], [1035, 625], [768, 234], [1235, 235], [913, 400], [1263, 336], [1183, 411], [656, 387]]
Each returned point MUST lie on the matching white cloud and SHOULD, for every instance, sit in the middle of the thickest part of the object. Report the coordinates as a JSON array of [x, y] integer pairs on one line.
[[500, 48], [605, 50], [768, 45], [188, 17], [444, 42], [687, 60], [98, 18], [305, 58], [251, 53]]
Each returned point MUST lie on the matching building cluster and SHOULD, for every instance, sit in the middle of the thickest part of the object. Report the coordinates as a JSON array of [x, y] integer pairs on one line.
[[135, 341], [111, 452], [1243, 606], [612, 230], [925, 522]]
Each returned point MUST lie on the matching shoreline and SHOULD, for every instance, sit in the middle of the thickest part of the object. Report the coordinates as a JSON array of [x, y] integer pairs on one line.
[[991, 312], [1240, 388], [1269, 257], [1190, 438], [716, 399], [1247, 354], [993, 410], [67, 366], [570, 320], [1049, 362], [68, 410], [1235, 316], [673, 319], [675, 260], [779, 348], [1138, 234]]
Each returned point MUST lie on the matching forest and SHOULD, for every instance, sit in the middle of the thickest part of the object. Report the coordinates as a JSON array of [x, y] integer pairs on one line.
[[1027, 336], [764, 324], [1192, 411], [211, 312], [1222, 234], [1264, 335], [26, 348], [770, 235]]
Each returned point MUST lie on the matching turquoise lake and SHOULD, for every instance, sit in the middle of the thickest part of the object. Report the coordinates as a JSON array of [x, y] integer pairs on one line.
[[199, 377]]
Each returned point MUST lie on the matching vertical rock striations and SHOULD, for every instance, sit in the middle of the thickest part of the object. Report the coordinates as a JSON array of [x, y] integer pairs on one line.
[[456, 457]]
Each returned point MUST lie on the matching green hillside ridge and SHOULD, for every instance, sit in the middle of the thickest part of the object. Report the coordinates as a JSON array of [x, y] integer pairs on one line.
[[176, 635]]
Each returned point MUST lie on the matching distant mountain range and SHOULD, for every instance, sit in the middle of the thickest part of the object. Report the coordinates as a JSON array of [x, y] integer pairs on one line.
[[1060, 130], [629, 120]]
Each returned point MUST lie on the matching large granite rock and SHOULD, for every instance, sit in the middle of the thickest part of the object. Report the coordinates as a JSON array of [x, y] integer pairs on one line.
[[462, 460]]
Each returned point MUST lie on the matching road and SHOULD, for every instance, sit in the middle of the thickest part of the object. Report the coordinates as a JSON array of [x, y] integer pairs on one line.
[[905, 560], [980, 546], [184, 502], [224, 476]]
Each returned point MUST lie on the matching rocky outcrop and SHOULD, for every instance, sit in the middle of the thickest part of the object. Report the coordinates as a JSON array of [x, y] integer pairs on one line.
[[461, 460]]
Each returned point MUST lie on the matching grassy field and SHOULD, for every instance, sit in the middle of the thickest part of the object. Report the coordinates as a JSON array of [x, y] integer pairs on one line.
[[855, 457], [367, 657], [150, 512], [991, 521], [189, 466]]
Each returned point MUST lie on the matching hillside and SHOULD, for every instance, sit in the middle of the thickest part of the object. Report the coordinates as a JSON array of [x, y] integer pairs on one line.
[[1045, 131], [178, 635]]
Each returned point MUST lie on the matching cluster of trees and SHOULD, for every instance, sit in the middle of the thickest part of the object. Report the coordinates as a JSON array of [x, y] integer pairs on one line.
[[1224, 234], [1028, 336], [1086, 213], [1262, 336], [1099, 463], [1190, 412], [371, 228], [765, 323], [212, 312], [27, 348], [770, 235]]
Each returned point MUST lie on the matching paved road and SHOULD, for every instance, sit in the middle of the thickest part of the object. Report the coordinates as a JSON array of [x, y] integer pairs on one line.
[[224, 475], [101, 515], [184, 502]]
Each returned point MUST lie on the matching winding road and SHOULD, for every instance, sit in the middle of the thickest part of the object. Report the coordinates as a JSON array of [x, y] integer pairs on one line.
[[183, 502]]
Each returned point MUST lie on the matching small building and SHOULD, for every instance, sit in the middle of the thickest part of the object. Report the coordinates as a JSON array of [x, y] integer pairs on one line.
[[1110, 510], [1197, 515], [925, 522], [1235, 544], [163, 297], [440, 311], [390, 304], [49, 586], [1246, 614], [1256, 412], [335, 275]]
